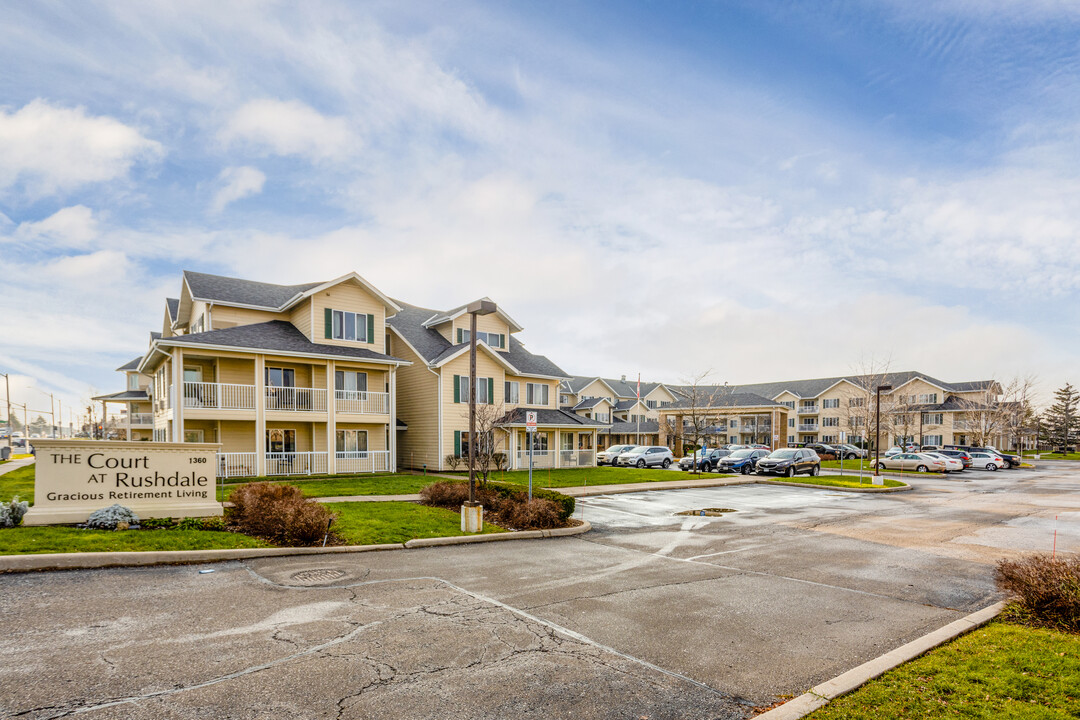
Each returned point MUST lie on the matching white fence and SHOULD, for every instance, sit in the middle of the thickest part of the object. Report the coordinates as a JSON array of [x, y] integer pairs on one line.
[[219, 396], [138, 419], [808, 427], [363, 462], [575, 458], [237, 464], [541, 459], [808, 409], [296, 399], [353, 401], [296, 463]]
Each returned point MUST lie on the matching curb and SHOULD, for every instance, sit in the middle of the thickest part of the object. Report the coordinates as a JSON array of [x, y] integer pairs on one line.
[[905, 488], [88, 561], [821, 695]]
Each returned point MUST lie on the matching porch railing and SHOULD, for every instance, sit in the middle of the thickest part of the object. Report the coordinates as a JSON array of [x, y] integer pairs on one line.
[[541, 459], [295, 399], [219, 396], [574, 458], [808, 427], [808, 409], [296, 463], [363, 402], [236, 464], [368, 461], [139, 419]]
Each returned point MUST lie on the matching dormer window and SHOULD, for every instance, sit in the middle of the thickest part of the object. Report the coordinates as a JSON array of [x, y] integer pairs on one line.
[[495, 340], [345, 325]]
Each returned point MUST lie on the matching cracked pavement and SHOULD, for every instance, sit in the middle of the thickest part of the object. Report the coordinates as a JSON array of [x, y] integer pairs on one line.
[[650, 615]]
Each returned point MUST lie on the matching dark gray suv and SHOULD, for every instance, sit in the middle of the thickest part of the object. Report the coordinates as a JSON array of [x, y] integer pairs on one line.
[[790, 462]]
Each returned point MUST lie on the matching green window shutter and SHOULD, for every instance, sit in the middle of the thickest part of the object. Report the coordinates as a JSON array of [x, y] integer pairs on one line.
[[329, 315], [502, 340], [459, 336], [457, 443], [457, 388], [491, 390], [371, 329]]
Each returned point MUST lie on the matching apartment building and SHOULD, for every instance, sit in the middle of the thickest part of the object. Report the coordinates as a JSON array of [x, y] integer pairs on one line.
[[434, 390], [136, 409], [630, 417], [304, 379]]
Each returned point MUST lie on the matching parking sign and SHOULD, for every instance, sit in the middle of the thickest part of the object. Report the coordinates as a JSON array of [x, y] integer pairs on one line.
[[530, 421]]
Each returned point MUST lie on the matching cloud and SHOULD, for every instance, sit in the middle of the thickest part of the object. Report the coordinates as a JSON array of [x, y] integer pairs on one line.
[[71, 227], [49, 149], [239, 182], [288, 128]]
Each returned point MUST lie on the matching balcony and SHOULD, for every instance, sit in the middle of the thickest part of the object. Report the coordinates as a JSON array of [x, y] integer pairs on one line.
[[808, 409], [219, 396], [366, 461], [574, 458], [540, 459], [296, 463], [362, 403], [294, 399], [808, 427], [141, 419]]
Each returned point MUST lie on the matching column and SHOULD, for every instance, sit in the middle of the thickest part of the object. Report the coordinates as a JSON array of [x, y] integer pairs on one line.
[[331, 419], [558, 446], [129, 411], [260, 415], [178, 394], [392, 446]]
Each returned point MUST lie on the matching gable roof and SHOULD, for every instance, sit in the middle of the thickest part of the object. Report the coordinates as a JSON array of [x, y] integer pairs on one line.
[[731, 399], [621, 427], [410, 324], [172, 306], [548, 416], [130, 364], [815, 387], [591, 403], [247, 293], [440, 317], [276, 336]]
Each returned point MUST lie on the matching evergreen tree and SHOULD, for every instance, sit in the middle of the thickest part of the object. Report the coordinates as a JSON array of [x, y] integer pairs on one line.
[[1059, 420]]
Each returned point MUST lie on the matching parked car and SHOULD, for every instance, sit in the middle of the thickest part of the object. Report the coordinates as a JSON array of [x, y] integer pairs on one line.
[[930, 448], [952, 464], [706, 461], [960, 455], [894, 450], [610, 455], [825, 452], [647, 456], [987, 461], [742, 461], [1011, 461], [911, 461], [850, 451], [789, 462]]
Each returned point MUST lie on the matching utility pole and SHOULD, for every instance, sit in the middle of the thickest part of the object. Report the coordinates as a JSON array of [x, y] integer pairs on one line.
[[877, 429], [7, 394]]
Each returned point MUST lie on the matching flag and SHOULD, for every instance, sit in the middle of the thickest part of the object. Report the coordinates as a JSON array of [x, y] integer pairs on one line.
[[639, 386]]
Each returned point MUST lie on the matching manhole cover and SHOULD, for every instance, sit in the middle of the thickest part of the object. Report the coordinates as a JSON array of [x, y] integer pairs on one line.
[[320, 575], [707, 512]]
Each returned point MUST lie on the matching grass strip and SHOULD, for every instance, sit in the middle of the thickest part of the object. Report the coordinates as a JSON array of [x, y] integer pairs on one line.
[[19, 481], [389, 484], [577, 477], [395, 522], [59, 539], [835, 481], [1001, 670]]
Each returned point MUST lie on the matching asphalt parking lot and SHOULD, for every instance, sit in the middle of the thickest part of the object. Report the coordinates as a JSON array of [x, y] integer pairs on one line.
[[651, 614]]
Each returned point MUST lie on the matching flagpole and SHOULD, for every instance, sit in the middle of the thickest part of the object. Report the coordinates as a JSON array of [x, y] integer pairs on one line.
[[638, 409]]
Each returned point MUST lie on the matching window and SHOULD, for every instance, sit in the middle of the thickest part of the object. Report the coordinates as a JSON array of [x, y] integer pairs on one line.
[[828, 439], [280, 441], [350, 381], [830, 403], [193, 436], [352, 444], [133, 381], [791, 438], [563, 399], [830, 422], [199, 325], [789, 404], [856, 402], [651, 404], [512, 392], [347, 325], [733, 423], [857, 421], [603, 417], [933, 419], [584, 441], [536, 394], [280, 377], [932, 440], [929, 399], [791, 422], [193, 374], [495, 340], [733, 439], [567, 441], [539, 442], [483, 389]]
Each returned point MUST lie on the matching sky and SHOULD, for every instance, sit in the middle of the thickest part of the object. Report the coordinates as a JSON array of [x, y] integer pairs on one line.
[[759, 190]]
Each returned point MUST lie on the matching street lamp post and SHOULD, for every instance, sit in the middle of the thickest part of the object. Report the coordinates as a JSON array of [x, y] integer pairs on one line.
[[472, 513], [7, 394], [877, 427]]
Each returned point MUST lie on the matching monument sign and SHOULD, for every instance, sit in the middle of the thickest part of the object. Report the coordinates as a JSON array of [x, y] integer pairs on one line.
[[76, 477]]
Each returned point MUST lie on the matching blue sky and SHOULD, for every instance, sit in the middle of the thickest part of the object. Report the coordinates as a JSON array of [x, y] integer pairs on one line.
[[767, 190]]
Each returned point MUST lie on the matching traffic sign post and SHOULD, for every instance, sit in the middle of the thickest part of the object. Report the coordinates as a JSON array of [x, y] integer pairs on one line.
[[530, 433]]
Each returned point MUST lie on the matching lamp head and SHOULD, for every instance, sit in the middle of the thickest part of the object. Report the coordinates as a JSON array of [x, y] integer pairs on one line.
[[481, 307], [884, 388]]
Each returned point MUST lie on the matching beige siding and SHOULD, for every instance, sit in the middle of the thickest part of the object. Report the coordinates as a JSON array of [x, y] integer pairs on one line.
[[456, 415], [596, 389], [376, 434], [350, 296], [484, 323], [418, 407], [224, 316], [236, 371], [237, 436], [300, 317]]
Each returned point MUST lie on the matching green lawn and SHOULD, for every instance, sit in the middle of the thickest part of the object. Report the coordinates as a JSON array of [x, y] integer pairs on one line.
[[835, 481], [57, 539], [576, 477], [338, 485], [1001, 670], [395, 522], [19, 481], [867, 467], [1052, 456]]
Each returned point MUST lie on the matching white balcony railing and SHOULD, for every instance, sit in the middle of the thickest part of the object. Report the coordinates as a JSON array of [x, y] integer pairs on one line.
[[362, 402], [370, 461], [294, 399], [141, 419], [541, 459], [296, 463], [575, 458], [808, 409], [219, 396], [808, 427], [237, 464]]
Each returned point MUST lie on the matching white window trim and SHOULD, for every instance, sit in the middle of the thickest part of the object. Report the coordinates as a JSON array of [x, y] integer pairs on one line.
[[360, 322]]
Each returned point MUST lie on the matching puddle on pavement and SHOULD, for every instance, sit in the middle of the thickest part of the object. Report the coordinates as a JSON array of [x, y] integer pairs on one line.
[[707, 512]]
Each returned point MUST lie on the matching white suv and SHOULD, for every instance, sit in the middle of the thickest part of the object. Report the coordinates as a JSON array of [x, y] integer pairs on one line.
[[647, 456], [611, 455]]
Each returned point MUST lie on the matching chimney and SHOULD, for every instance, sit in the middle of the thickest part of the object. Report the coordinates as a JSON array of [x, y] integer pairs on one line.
[[624, 378]]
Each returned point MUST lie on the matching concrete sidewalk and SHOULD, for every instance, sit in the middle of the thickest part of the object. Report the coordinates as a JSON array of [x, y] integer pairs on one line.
[[15, 465]]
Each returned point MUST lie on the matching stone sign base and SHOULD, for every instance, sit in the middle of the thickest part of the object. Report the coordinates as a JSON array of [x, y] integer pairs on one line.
[[73, 478]]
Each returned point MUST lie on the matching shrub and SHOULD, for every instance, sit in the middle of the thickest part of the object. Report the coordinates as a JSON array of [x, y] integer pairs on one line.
[[505, 503], [521, 513], [279, 513], [452, 461], [1045, 590], [446, 494], [156, 523], [108, 518], [11, 514], [202, 523]]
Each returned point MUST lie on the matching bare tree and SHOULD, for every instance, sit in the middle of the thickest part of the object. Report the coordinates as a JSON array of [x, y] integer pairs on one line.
[[860, 415], [998, 411], [700, 401], [491, 435]]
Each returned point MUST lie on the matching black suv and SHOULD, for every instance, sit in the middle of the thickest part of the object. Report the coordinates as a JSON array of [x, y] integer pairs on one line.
[[1011, 461], [790, 462], [706, 461]]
